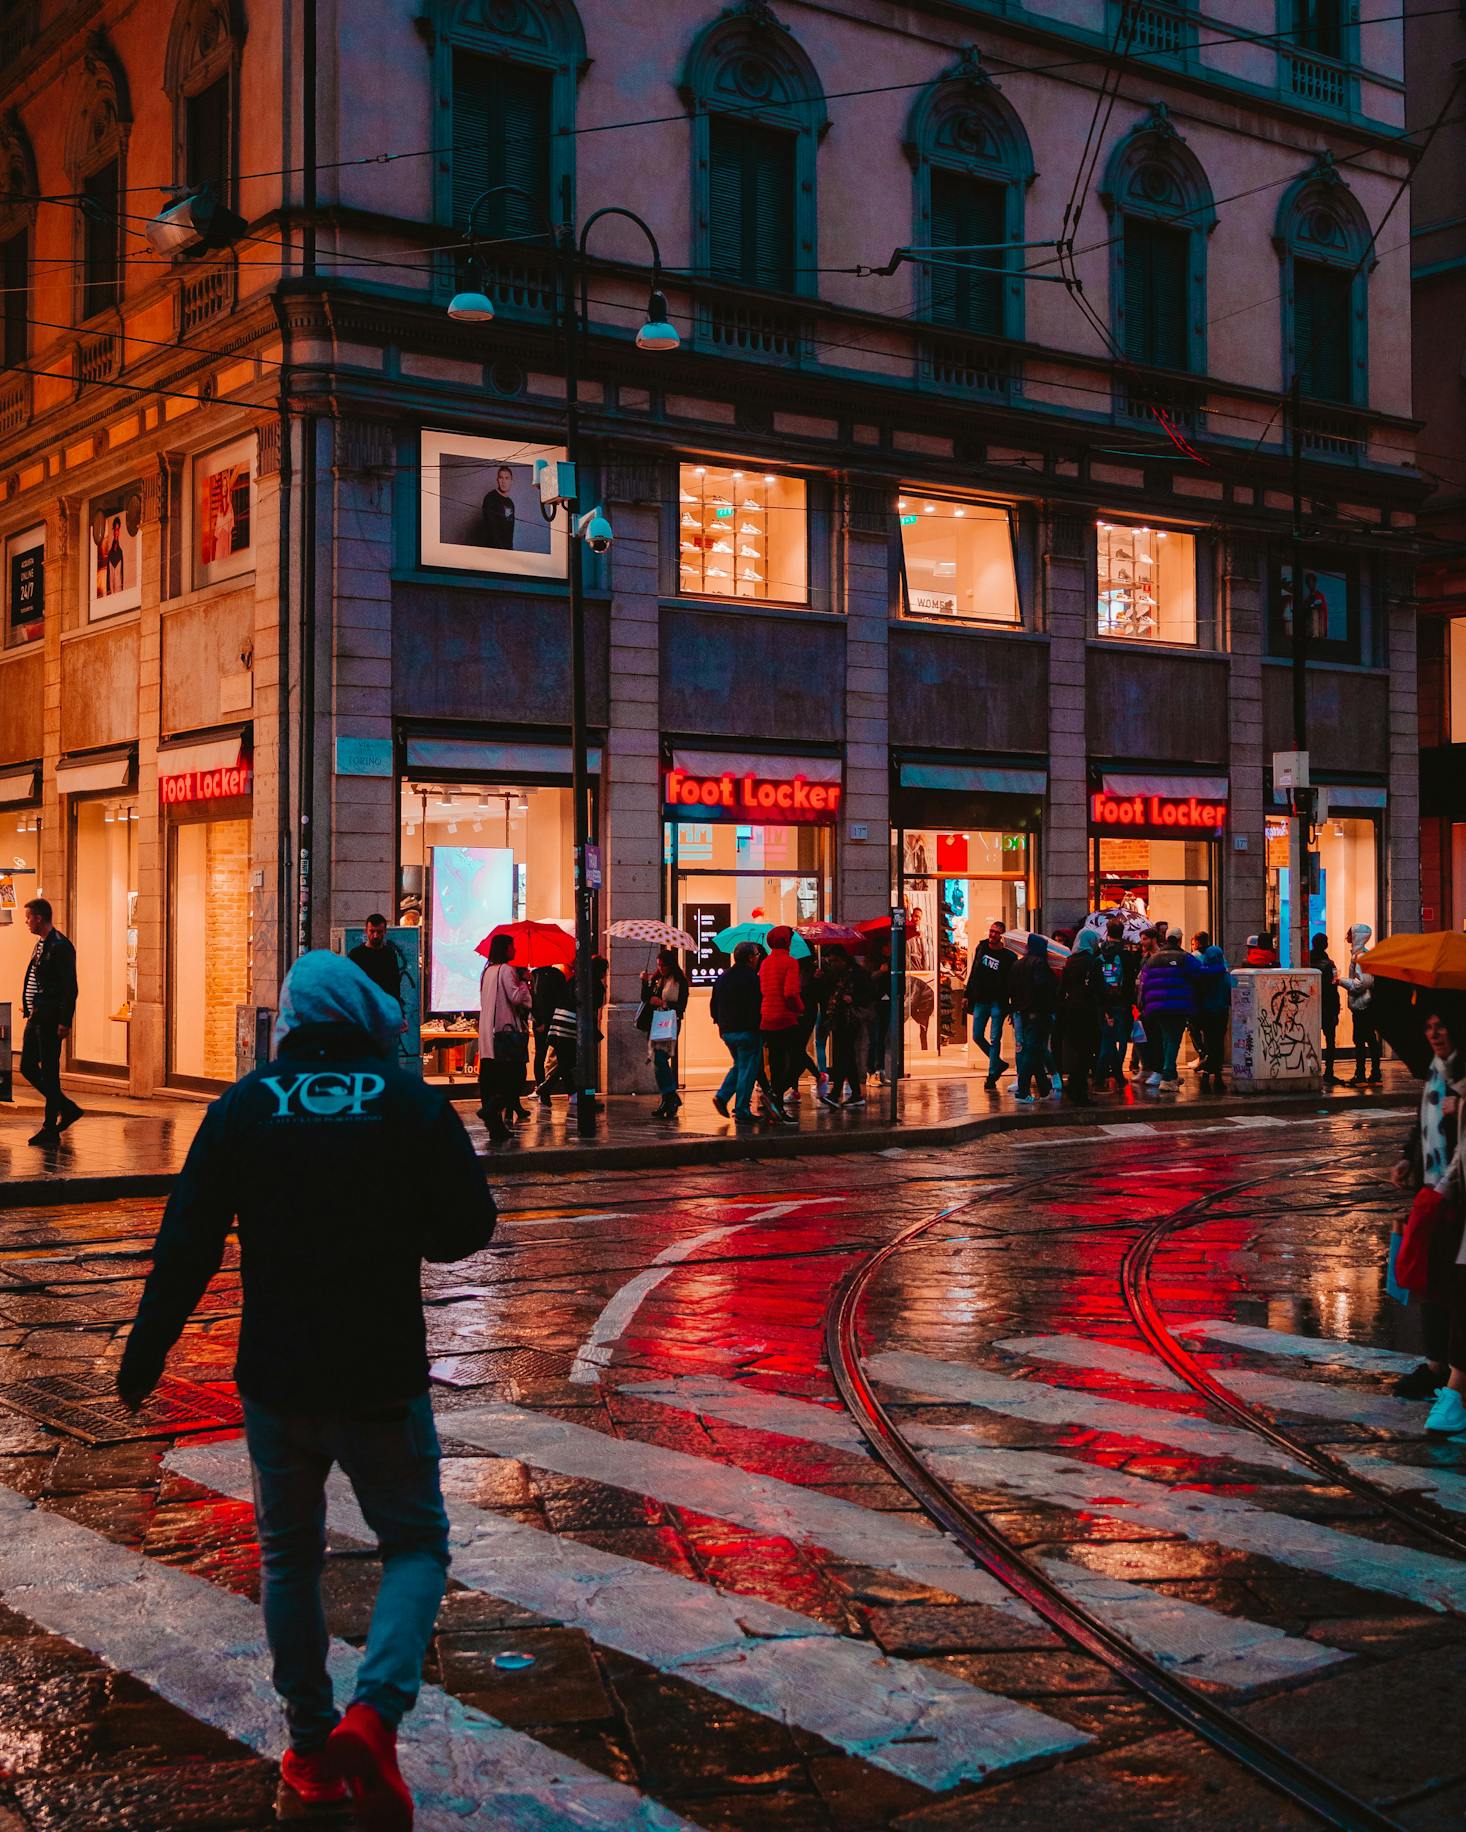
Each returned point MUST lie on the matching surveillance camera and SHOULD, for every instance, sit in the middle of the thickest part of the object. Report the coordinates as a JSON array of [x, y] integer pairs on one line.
[[597, 532]]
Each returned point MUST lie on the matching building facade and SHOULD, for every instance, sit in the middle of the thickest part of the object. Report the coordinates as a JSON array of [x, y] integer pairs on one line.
[[952, 560], [1435, 46]]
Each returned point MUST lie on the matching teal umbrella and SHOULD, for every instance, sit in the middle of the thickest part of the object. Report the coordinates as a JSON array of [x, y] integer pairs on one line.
[[728, 939]]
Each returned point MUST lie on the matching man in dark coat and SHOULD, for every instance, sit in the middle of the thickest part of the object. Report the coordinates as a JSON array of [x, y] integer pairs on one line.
[[48, 1004], [987, 998], [344, 1173]]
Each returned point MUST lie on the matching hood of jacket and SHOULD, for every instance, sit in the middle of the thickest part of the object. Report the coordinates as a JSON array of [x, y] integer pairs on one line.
[[1213, 959], [1359, 935], [323, 993], [1087, 942]]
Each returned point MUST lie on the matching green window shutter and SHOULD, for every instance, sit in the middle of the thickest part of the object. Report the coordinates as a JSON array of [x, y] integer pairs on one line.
[[1157, 284], [101, 240], [1318, 26], [15, 300], [751, 192], [206, 138], [502, 117], [966, 212], [1322, 306]]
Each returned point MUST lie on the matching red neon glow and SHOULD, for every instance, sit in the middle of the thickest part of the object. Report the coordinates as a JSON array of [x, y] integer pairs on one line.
[[797, 799], [206, 785], [1182, 811]]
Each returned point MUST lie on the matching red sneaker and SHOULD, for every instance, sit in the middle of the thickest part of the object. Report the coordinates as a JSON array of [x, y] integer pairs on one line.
[[309, 1786], [362, 1749]]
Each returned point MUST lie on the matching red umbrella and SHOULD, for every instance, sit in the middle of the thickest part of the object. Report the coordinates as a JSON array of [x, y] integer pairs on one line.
[[875, 925], [536, 944], [832, 935]]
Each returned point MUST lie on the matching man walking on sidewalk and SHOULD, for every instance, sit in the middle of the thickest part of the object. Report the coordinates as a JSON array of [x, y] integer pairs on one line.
[[48, 1004], [345, 1173]]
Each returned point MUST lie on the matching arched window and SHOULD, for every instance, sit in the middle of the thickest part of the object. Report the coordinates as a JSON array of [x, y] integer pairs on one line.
[[505, 78], [1161, 213], [99, 119], [1322, 238], [973, 164], [18, 192], [201, 78], [758, 115]]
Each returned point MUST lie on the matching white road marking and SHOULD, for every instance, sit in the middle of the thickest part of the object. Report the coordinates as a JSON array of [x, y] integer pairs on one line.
[[1197, 1642], [1249, 1120], [1120, 1129], [1314, 1399], [595, 1352], [922, 1724], [203, 1650], [1095, 1357], [1329, 1351], [956, 1383], [549, 1221]]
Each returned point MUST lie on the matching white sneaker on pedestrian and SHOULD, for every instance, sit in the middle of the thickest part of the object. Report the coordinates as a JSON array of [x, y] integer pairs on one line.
[[1153, 1080], [1448, 1415]]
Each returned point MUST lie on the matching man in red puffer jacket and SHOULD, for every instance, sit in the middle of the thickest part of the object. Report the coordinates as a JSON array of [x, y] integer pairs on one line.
[[780, 1010]]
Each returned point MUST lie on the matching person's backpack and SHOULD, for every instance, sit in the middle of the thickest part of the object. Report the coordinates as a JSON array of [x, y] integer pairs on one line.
[[1112, 967]]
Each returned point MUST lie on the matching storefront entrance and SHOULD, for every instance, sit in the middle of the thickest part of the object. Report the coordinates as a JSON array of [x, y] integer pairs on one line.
[[952, 885], [1155, 849], [1348, 844], [103, 927]]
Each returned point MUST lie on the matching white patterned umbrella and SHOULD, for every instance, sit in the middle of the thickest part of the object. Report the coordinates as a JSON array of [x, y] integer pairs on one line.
[[655, 934]]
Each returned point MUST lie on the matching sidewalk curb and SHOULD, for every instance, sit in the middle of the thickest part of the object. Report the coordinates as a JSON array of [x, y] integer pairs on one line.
[[731, 1149]]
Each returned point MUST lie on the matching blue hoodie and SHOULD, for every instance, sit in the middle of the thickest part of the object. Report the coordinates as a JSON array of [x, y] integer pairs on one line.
[[1213, 983]]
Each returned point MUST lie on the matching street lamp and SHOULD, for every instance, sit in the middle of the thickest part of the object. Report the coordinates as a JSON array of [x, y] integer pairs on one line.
[[589, 527]]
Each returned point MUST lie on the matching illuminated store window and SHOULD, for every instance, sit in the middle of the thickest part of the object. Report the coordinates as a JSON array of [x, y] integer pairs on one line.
[[209, 946], [742, 534], [957, 560], [1457, 664], [1146, 584], [103, 925]]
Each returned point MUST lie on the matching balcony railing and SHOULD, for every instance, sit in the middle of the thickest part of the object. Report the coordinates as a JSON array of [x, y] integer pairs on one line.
[[1182, 403], [1339, 435], [1319, 81], [968, 367], [15, 403], [97, 359], [772, 333], [1159, 30], [203, 295]]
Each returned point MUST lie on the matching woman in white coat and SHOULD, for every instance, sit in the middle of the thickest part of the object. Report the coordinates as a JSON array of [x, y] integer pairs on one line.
[[503, 1036]]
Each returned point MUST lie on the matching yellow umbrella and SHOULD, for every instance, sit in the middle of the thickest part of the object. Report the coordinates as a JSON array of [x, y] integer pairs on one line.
[[1437, 961]]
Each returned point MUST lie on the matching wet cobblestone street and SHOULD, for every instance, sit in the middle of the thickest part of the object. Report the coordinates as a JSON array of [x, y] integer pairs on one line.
[[686, 1591]]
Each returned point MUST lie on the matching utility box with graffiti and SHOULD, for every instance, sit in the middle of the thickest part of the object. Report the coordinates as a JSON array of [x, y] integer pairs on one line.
[[1277, 1014]]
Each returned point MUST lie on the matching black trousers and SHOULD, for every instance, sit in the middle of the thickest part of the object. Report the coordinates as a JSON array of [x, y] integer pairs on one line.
[[1213, 1028], [782, 1049], [1366, 1043], [498, 1089], [40, 1063]]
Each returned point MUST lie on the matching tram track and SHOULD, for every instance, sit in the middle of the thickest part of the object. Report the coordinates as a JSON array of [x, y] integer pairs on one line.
[[1316, 1793]]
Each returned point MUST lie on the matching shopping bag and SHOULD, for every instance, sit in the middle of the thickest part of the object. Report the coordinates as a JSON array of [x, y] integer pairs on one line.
[[1137, 1032], [664, 1027], [1393, 1288], [1428, 1212]]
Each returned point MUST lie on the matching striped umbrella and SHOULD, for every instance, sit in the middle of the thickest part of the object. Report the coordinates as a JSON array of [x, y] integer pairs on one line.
[[832, 934], [655, 934]]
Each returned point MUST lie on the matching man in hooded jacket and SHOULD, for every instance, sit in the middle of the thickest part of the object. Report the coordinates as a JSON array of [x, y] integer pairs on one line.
[[1358, 983], [344, 1173]]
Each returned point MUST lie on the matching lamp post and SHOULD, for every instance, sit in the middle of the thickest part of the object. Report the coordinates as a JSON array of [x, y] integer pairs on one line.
[[587, 526]]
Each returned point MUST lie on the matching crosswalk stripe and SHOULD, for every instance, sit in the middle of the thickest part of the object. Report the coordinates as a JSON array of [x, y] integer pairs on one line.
[[1314, 1399], [1199, 1643], [922, 1724], [1328, 1351], [1422, 1577], [1033, 1399], [202, 1649], [1095, 1357]]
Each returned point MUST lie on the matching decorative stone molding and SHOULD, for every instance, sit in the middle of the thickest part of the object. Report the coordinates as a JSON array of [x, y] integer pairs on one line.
[[869, 506], [267, 449], [631, 479]]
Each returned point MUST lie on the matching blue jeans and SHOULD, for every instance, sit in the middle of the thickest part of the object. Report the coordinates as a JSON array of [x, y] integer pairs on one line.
[[745, 1047], [1114, 1036], [664, 1067], [1173, 1029], [984, 1016], [392, 1465], [1032, 1032]]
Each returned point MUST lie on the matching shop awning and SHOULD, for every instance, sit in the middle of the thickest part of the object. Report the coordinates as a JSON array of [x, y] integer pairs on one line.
[[973, 778], [86, 775], [218, 753], [1354, 795], [767, 764], [19, 786], [1144, 782], [492, 758]]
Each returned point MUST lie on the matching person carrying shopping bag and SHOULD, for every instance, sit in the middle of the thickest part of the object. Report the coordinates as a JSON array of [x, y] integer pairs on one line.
[[664, 1001]]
